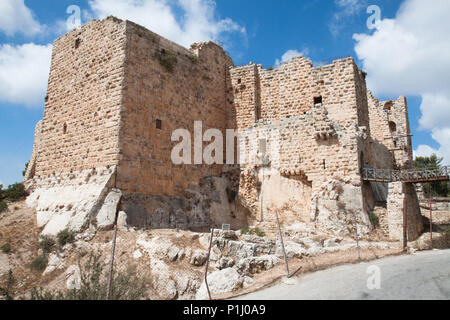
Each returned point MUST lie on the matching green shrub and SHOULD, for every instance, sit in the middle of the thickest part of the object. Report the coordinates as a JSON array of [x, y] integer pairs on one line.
[[125, 285], [256, 231], [7, 291], [259, 233], [373, 219], [3, 206], [445, 231], [40, 263], [26, 168], [15, 192], [193, 58], [6, 248], [46, 244], [167, 59], [64, 237]]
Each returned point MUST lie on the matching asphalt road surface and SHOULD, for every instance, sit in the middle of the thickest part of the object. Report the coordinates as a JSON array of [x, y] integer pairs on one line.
[[424, 275]]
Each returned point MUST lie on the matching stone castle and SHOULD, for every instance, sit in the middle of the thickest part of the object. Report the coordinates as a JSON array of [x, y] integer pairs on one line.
[[117, 92]]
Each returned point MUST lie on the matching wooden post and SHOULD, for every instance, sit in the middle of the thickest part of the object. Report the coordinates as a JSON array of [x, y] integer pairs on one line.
[[111, 262], [356, 236], [282, 244], [207, 264], [431, 225], [405, 224]]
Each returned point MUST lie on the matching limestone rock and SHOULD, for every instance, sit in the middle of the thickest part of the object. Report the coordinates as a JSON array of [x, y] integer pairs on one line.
[[199, 258], [248, 282], [222, 281], [162, 282], [238, 249], [137, 254], [293, 250], [54, 262], [224, 262], [4, 264], [107, 214], [336, 206], [186, 285], [122, 221], [73, 277], [329, 243], [62, 202], [159, 248], [252, 265]]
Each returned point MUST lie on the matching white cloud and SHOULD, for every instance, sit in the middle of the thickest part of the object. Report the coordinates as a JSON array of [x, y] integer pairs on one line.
[[346, 8], [288, 55], [24, 71], [16, 17], [424, 150], [198, 22], [349, 7], [435, 110], [410, 55]]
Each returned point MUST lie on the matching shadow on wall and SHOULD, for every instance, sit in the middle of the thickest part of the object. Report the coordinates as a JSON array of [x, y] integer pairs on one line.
[[212, 203]]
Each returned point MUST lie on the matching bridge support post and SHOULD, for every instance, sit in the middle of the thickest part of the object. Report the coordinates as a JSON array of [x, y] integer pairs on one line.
[[431, 225], [405, 224]]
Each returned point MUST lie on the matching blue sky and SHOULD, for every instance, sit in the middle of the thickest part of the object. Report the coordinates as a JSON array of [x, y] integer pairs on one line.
[[259, 31]]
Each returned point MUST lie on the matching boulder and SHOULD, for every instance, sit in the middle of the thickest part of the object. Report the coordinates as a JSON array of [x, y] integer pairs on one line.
[[122, 221], [164, 285], [330, 243], [199, 258], [107, 214], [224, 262], [222, 281], [4, 264], [73, 277], [159, 248], [54, 262], [293, 250], [252, 265]]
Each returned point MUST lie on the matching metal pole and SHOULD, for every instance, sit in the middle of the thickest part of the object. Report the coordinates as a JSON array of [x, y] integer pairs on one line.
[[207, 264], [431, 225], [282, 244], [405, 230], [113, 250]]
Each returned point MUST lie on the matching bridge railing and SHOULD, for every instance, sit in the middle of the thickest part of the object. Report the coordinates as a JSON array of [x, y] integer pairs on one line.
[[411, 175]]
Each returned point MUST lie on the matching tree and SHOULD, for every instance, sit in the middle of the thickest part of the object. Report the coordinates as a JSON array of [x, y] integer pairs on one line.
[[26, 167], [432, 189]]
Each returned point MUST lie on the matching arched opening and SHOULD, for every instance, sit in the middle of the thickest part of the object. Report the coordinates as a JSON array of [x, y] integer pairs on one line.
[[388, 105], [65, 128], [392, 127]]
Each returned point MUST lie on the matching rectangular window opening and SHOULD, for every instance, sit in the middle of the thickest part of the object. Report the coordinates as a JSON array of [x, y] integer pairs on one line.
[[158, 124], [317, 100]]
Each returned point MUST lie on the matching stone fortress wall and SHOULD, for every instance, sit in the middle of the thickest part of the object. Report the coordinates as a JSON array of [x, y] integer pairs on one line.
[[117, 92]]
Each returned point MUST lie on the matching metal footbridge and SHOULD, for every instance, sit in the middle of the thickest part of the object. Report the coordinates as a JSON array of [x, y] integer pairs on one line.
[[409, 176]]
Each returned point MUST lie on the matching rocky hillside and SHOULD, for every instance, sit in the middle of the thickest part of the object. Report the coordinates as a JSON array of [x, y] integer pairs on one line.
[[170, 264]]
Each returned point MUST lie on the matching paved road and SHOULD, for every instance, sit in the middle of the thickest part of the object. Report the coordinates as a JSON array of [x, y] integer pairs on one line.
[[424, 275]]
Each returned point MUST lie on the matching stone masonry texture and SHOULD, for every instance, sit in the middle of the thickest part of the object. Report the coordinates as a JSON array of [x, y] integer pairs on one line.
[[118, 91]]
